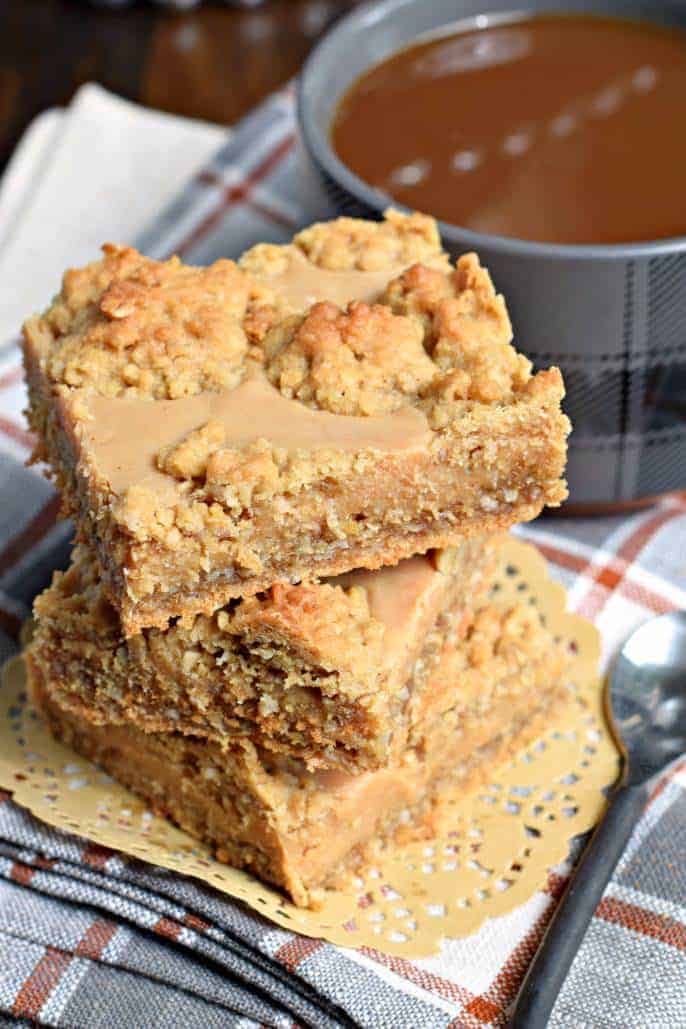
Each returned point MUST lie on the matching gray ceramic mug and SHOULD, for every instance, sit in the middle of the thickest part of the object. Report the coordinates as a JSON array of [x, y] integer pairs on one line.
[[612, 317]]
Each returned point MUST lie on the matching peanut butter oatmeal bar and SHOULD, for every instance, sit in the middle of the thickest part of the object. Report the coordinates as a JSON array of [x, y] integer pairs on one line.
[[344, 401], [300, 829], [331, 673]]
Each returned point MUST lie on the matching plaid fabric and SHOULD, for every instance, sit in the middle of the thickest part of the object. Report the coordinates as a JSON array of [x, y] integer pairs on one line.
[[89, 937]]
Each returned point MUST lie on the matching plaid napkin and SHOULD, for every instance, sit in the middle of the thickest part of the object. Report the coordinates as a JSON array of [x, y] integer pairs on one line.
[[89, 937]]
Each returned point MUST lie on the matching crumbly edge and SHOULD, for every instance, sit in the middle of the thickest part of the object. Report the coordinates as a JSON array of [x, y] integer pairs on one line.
[[152, 582], [268, 861], [98, 745], [508, 662], [294, 670]]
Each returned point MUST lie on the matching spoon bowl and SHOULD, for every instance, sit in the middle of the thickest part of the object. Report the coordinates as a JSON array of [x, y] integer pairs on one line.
[[646, 697]]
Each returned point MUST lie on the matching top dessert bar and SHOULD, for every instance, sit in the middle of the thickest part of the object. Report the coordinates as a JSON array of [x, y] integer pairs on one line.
[[344, 401]]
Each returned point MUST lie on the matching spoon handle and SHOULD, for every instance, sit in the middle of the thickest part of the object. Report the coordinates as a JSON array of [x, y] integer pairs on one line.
[[575, 910]]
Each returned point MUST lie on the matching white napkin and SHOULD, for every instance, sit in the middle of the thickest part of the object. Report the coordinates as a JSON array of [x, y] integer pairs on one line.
[[98, 171]]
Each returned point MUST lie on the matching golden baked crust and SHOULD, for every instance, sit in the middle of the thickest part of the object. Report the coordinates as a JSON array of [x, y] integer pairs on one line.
[[327, 672], [325, 405], [435, 338], [128, 325], [353, 243], [299, 829], [363, 361]]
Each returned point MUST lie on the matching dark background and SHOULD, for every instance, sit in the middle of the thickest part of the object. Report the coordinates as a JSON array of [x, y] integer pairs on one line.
[[215, 62]]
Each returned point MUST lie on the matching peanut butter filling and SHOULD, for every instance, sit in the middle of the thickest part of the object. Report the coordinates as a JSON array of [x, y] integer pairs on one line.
[[124, 437], [406, 598], [303, 283]]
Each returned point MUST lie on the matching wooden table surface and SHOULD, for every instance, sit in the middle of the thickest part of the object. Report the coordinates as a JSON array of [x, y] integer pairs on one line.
[[215, 62]]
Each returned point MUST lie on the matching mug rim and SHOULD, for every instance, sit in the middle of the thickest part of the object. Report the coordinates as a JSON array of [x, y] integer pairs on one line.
[[322, 153]]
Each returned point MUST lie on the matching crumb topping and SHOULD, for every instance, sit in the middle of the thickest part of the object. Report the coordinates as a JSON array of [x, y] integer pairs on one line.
[[127, 324], [438, 339], [363, 361], [511, 635], [189, 458], [369, 246], [333, 620], [344, 244]]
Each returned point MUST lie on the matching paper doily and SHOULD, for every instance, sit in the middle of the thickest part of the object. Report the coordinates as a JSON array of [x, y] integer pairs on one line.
[[496, 841]]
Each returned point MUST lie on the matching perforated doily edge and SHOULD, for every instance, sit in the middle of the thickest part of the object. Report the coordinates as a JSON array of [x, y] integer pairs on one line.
[[341, 910]]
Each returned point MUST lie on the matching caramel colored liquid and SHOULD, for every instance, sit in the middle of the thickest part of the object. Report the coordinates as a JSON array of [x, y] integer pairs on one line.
[[563, 129]]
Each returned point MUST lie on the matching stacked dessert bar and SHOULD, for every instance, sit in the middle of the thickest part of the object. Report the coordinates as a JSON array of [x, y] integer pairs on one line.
[[290, 477]]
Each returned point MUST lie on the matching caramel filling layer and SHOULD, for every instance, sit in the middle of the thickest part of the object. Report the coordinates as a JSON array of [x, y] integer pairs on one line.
[[406, 598], [125, 436], [303, 283]]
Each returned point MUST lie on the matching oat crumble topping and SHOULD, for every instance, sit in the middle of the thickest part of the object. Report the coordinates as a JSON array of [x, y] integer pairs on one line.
[[363, 361], [130, 325]]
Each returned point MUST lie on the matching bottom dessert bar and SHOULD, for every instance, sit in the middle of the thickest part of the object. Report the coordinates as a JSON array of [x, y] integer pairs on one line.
[[299, 829]]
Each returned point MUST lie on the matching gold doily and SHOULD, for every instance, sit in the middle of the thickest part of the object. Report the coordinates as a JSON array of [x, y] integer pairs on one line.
[[495, 845]]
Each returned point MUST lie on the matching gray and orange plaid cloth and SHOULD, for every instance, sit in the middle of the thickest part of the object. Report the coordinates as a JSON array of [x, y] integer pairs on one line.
[[91, 938]]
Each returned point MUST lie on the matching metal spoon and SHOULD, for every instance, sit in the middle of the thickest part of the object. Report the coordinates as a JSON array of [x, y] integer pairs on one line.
[[646, 703]]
